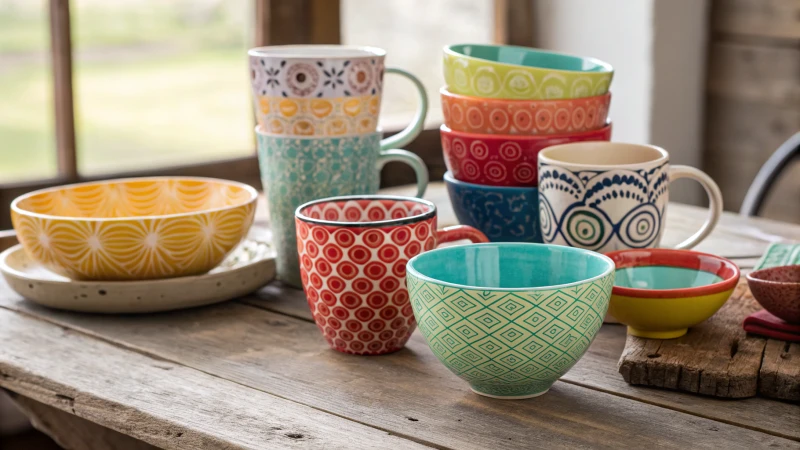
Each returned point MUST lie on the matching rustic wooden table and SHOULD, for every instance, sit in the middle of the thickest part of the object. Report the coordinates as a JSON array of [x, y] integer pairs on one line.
[[256, 373]]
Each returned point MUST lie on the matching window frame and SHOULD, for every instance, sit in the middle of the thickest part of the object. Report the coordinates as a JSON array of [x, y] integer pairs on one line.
[[277, 22]]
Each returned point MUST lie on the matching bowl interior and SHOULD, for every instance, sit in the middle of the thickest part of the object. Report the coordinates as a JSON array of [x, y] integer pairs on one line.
[[529, 57], [136, 198], [664, 269], [779, 274], [664, 277], [510, 266], [365, 210]]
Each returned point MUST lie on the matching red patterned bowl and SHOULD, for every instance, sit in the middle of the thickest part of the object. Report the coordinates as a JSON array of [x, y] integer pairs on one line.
[[503, 160], [777, 289], [523, 117]]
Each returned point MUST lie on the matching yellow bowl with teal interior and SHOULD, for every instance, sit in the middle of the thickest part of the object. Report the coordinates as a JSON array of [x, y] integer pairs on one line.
[[134, 229], [510, 72], [661, 293]]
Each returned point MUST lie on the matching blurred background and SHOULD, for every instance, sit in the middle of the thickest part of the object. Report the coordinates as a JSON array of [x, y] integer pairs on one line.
[[97, 89]]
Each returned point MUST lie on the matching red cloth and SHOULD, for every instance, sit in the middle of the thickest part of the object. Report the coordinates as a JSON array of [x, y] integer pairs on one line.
[[766, 324]]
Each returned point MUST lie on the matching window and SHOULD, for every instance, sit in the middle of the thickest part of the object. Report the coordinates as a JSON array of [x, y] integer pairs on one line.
[[27, 135], [99, 89]]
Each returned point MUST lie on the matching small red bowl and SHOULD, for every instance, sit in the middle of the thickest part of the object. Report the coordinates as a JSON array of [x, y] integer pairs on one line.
[[777, 289], [523, 117], [503, 160]]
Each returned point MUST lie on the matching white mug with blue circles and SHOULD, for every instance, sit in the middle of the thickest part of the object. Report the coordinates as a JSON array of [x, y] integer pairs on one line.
[[607, 196]]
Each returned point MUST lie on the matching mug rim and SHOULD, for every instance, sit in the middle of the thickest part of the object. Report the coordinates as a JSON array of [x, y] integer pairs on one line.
[[445, 92], [310, 51], [450, 179], [260, 132], [298, 214], [458, 50], [611, 267], [543, 157]]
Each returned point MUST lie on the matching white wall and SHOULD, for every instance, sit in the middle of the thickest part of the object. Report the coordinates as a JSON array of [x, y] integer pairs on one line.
[[657, 48]]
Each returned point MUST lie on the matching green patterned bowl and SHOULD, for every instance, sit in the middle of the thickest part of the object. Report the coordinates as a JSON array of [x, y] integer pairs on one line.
[[509, 72], [509, 318]]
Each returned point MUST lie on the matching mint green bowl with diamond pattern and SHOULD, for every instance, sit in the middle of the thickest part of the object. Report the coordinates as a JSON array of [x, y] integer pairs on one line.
[[510, 318]]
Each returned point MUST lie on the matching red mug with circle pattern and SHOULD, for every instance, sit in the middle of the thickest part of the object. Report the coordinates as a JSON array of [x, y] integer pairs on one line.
[[353, 253]]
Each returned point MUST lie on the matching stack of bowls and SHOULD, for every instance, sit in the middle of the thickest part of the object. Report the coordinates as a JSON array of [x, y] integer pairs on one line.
[[317, 108], [502, 105]]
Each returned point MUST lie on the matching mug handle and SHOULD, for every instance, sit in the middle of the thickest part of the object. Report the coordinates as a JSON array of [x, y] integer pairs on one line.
[[458, 232], [412, 160], [714, 202], [413, 129]]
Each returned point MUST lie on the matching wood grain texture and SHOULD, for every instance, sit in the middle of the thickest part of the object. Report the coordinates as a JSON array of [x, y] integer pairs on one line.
[[754, 73], [598, 370], [61, 60], [778, 19], [72, 432], [408, 393], [716, 358], [160, 402], [780, 371]]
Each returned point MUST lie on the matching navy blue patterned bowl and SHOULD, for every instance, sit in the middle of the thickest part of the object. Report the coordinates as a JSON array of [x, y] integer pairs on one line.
[[503, 214]]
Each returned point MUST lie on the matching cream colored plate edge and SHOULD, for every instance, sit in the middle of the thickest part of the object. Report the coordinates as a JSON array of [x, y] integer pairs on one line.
[[249, 267]]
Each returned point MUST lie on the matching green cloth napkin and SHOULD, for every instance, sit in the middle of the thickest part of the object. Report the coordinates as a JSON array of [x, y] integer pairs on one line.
[[779, 255]]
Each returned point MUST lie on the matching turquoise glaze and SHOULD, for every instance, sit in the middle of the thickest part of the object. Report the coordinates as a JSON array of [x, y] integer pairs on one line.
[[664, 277], [297, 170], [531, 57], [509, 318]]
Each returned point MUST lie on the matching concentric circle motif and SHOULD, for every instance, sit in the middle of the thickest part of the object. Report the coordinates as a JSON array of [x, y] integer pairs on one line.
[[459, 148], [547, 219], [499, 120], [520, 83], [641, 226], [360, 77], [525, 173], [358, 298], [470, 170], [510, 151], [474, 117], [495, 171], [479, 149], [584, 228], [523, 121]]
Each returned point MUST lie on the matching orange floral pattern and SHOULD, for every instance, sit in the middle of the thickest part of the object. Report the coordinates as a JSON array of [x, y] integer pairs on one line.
[[318, 116], [134, 229]]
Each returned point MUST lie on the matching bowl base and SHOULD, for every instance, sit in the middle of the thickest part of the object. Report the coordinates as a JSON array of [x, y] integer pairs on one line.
[[671, 334], [509, 393]]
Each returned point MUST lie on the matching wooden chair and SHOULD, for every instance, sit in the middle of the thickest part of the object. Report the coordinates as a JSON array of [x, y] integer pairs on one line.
[[768, 174]]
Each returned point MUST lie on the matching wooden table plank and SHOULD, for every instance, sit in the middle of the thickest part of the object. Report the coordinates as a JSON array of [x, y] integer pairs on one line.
[[598, 370], [160, 402], [407, 393]]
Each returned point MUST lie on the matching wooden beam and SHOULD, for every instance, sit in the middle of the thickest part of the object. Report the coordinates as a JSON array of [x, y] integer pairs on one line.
[[285, 22], [61, 54], [513, 22]]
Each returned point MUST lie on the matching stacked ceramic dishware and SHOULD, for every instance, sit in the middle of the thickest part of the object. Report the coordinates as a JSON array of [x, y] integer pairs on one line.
[[317, 110], [502, 105], [136, 245]]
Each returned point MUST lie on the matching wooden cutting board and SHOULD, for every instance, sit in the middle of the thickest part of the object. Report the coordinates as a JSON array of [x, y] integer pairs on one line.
[[717, 358]]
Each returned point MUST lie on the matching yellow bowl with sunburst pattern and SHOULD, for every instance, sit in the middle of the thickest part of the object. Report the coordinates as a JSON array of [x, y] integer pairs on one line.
[[134, 229]]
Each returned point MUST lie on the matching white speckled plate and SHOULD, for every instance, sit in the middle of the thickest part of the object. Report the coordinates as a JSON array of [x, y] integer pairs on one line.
[[246, 269]]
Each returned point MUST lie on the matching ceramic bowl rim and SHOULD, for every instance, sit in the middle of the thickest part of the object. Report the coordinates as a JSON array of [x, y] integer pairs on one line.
[[378, 132], [608, 68], [678, 255], [609, 270], [316, 51], [444, 92], [23, 212], [751, 278], [527, 138], [373, 224], [450, 179]]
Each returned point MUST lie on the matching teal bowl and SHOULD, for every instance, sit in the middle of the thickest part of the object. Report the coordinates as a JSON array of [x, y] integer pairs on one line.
[[509, 318]]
